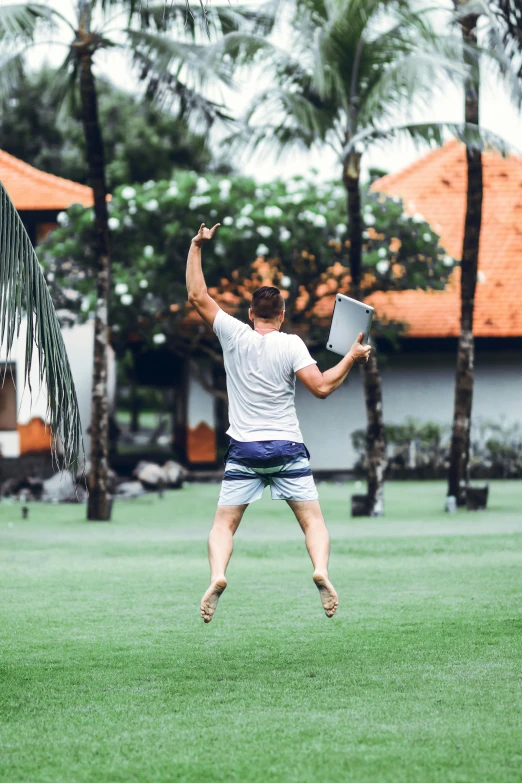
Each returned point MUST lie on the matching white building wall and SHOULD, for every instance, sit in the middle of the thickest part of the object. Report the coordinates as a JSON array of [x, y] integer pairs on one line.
[[78, 342], [200, 409], [420, 386]]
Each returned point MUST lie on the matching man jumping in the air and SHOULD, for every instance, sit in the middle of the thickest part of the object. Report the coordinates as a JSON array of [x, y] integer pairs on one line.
[[266, 445]]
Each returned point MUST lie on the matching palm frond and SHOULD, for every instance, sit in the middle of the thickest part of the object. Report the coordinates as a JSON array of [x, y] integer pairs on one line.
[[11, 70], [295, 114], [19, 20], [23, 290], [437, 133], [165, 55], [413, 76], [504, 43], [223, 19]]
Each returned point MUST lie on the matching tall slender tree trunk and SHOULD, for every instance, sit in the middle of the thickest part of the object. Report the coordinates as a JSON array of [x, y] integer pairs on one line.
[[460, 439], [99, 504], [375, 432]]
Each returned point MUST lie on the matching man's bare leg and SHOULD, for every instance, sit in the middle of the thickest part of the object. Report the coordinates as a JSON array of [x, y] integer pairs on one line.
[[309, 515], [220, 546]]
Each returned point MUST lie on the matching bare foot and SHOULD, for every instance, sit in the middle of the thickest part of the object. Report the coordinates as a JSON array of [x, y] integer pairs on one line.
[[327, 593], [211, 598]]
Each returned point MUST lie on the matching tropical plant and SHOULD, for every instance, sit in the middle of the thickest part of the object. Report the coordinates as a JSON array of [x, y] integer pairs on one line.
[[292, 233], [24, 293], [174, 69], [351, 68]]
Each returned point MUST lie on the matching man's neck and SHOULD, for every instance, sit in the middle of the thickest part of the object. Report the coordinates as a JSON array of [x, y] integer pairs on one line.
[[264, 327]]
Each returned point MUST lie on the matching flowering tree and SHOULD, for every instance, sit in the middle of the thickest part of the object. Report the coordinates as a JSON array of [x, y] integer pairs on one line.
[[290, 233]]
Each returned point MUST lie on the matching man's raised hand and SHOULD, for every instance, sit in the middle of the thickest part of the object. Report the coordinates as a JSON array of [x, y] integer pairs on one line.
[[360, 353], [204, 234]]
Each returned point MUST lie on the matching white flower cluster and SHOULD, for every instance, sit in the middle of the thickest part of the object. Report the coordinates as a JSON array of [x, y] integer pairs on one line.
[[382, 267], [121, 288], [284, 234], [148, 251], [265, 231], [247, 209], [243, 221], [227, 221], [128, 192], [261, 250], [273, 211], [173, 190], [114, 223], [62, 219], [151, 205], [293, 185], [312, 217], [159, 339], [224, 188], [202, 185], [198, 201]]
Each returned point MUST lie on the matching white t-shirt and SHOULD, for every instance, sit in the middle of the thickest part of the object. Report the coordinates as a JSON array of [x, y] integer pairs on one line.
[[261, 380]]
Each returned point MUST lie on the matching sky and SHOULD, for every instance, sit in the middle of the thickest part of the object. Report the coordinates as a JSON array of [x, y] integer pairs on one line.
[[497, 111]]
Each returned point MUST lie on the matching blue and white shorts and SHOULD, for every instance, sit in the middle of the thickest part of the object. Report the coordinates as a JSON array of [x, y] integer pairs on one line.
[[281, 464]]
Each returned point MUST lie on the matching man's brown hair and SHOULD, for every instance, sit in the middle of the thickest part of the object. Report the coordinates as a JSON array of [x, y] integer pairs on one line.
[[267, 302]]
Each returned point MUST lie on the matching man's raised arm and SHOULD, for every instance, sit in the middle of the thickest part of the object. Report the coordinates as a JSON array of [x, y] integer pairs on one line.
[[322, 384], [196, 287]]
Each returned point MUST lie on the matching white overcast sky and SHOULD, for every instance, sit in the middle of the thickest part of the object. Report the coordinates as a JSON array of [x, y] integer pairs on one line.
[[497, 112]]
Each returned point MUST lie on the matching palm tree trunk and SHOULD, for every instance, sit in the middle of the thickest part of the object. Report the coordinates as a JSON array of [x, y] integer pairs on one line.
[[99, 503], [375, 432], [459, 454]]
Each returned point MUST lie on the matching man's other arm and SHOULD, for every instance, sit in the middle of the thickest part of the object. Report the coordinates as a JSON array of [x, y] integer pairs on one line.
[[322, 384], [198, 295]]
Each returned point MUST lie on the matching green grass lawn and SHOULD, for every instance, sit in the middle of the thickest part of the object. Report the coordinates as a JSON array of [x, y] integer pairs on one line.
[[108, 673]]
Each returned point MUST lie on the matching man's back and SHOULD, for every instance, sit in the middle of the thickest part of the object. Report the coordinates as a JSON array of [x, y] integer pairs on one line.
[[261, 380]]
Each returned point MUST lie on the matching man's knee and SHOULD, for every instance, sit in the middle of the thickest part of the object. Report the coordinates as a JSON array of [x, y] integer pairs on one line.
[[227, 518], [307, 512]]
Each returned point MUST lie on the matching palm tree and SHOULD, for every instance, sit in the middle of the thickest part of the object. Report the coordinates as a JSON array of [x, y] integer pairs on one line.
[[353, 65], [459, 452], [175, 69], [24, 292]]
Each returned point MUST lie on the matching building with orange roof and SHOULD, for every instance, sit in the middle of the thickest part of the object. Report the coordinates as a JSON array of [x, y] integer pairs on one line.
[[435, 186], [39, 196]]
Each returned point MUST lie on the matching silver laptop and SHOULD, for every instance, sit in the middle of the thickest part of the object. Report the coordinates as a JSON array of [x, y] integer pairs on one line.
[[349, 319]]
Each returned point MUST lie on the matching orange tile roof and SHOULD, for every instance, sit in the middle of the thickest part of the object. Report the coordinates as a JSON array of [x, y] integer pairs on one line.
[[435, 186], [30, 188]]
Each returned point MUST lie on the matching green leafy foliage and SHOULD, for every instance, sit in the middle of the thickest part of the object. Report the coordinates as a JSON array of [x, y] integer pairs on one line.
[[141, 141], [292, 234]]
